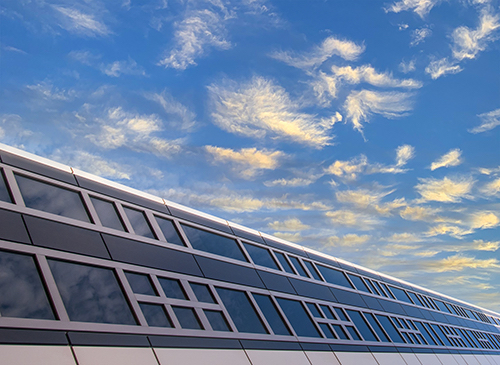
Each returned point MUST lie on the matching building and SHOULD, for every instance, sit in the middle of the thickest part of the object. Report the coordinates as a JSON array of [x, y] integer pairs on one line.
[[92, 272]]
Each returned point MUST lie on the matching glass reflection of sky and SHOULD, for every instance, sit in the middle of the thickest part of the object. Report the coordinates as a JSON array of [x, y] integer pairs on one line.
[[139, 223], [4, 192], [107, 214]]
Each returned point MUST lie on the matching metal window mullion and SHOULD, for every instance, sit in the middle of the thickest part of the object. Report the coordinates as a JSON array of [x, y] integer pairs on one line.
[[244, 251], [94, 217], [155, 227], [278, 263], [125, 220], [259, 312], [13, 187], [131, 297], [283, 316], [223, 308], [172, 316], [370, 326], [181, 233], [203, 318], [52, 288], [157, 286]]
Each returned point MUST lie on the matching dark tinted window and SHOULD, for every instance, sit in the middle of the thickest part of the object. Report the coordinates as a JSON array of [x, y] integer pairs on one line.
[[155, 315], [327, 330], [341, 314], [187, 318], [334, 276], [298, 318], [261, 256], [390, 329], [52, 199], [442, 336], [376, 326], [272, 315], [298, 266], [340, 331], [139, 222], [400, 294], [108, 214], [327, 312], [442, 306], [361, 325], [314, 310], [217, 320], [380, 289], [372, 287], [4, 191], [241, 310], [414, 298], [140, 283], [203, 293], [213, 243], [354, 334], [172, 288], [22, 291], [284, 262], [91, 294], [312, 270], [169, 231], [358, 283]]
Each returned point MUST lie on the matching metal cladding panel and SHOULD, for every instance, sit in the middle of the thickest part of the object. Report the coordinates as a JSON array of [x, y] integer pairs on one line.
[[471, 359], [201, 357], [388, 358], [200, 220], [356, 358], [312, 290], [276, 282], [322, 358], [107, 339], [114, 356], [266, 357], [32, 337], [12, 227], [428, 359], [39, 355], [347, 297], [410, 359]]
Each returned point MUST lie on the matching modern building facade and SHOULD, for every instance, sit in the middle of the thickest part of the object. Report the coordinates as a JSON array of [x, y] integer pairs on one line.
[[92, 272]]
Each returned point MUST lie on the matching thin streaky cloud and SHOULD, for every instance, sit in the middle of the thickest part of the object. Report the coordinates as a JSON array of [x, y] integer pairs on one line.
[[421, 7], [407, 67], [492, 188], [489, 121], [404, 154], [180, 116], [446, 190], [452, 158], [441, 67], [368, 74], [459, 263], [118, 68], [290, 225], [419, 35], [75, 21]]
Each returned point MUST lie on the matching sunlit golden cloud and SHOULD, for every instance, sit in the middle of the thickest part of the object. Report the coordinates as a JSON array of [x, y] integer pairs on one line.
[[448, 190], [293, 224], [452, 158]]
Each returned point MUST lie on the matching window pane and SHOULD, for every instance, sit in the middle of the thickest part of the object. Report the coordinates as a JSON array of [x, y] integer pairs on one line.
[[361, 325], [298, 318], [22, 291], [139, 222], [327, 312], [241, 310], [298, 266], [213, 243], [140, 283], [272, 315], [340, 331], [261, 256], [414, 298], [314, 310], [172, 288], [354, 334], [284, 262], [442, 306], [107, 214], [217, 320], [334, 276], [358, 283], [341, 314], [91, 294], [169, 231], [439, 331], [4, 191], [52, 199], [390, 329], [155, 315], [372, 287], [327, 330], [187, 318], [203, 293], [381, 334], [313, 270], [400, 294]]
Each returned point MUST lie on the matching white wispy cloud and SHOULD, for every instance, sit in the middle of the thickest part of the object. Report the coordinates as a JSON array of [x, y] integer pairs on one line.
[[293, 182], [421, 7], [447, 190], [368, 74], [350, 218], [419, 213], [450, 230], [46, 90], [289, 225], [441, 67], [404, 238], [492, 188], [361, 197], [84, 57], [489, 121], [118, 68], [407, 66], [419, 35], [349, 240], [484, 220], [259, 108], [404, 153], [14, 49], [180, 116], [459, 262], [452, 158], [75, 21]]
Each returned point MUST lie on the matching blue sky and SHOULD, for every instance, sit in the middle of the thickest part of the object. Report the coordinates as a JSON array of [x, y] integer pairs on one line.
[[369, 130]]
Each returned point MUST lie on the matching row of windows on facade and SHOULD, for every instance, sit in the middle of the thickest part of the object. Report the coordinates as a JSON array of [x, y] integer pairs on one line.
[[64, 202], [94, 294]]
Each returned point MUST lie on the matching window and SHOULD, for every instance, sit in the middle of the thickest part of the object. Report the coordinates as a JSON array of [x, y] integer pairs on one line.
[[90, 293], [442, 306], [298, 318], [284, 262], [327, 330], [327, 312], [340, 331], [400, 294], [107, 213], [23, 294], [361, 325], [139, 222], [376, 326], [140, 283], [169, 231], [390, 329], [187, 318], [261, 256], [203, 293], [354, 334], [341, 314], [172, 288], [217, 320], [213, 243], [52, 199], [334, 276], [155, 315], [4, 190], [358, 283], [272, 315], [314, 310], [312, 270], [298, 266]]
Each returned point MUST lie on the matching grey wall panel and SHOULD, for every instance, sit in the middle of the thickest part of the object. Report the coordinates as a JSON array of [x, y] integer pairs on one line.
[[392, 307], [200, 220], [284, 247], [322, 259], [268, 345], [247, 235], [276, 282], [12, 227], [114, 356], [194, 342], [107, 339], [225, 271], [312, 290], [65, 237], [372, 303], [412, 311], [39, 355], [347, 297], [134, 252], [32, 337]]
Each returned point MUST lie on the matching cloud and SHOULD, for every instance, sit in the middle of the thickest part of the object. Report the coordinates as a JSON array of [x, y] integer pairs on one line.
[[446, 190], [459, 263], [407, 67], [491, 188], [293, 225], [452, 158], [331, 46], [84, 57], [485, 246], [194, 35], [445, 229], [421, 7], [180, 116], [419, 35], [350, 218], [361, 198], [348, 169], [14, 49], [404, 153], [348, 240], [260, 108], [80, 23], [291, 237], [438, 68], [118, 68], [369, 75], [420, 214], [294, 182], [484, 220], [489, 121], [404, 237], [45, 90], [247, 161], [360, 105]]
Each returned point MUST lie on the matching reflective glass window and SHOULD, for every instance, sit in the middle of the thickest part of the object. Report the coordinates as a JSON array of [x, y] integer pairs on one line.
[[284, 262], [327, 330], [340, 331], [4, 190], [172, 288], [414, 298], [372, 287], [298, 318], [439, 331], [22, 291], [389, 328], [334, 276], [187, 318], [155, 315], [327, 312], [90, 293], [213, 243], [354, 334], [203, 293], [139, 222], [381, 289], [341, 314], [241, 310], [361, 325], [442, 307], [314, 310], [169, 231], [140, 283], [261, 256], [358, 283], [217, 320], [376, 326], [400, 294], [389, 293], [298, 266], [313, 270], [108, 215], [272, 315], [52, 199]]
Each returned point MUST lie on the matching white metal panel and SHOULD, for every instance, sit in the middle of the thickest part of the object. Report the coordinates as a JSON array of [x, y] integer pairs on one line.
[[39, 355], [447, 359], [267, 357], [428, 359], [356, 358], [385, 358], [114, 355], [322, 358], [167, 356], [483, 360], [471, 359], [496, 358], [459, 359], [410, 359]]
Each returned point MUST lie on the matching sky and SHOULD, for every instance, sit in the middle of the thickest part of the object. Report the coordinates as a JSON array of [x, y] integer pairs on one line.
[[368, 130]]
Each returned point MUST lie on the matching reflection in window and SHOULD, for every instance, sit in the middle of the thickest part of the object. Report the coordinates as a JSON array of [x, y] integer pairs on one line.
[[314, 310], [169, 231], [327, 312], [272, 315], [241, 310], [187, 318], [203, 293], [358, 283], [261, 256], [375, 325], [298, 266], [389, 328], [172, 288], [313, 270], [298, 318], [213, 243], [91, 294], [340, 331], [341, 314], [334, 276], [139, 222], [361, 325], [354, 334], [4, 191], [284, 262], [22, 292], [400, 294], [155, 315], [52, 199], [217, 320], [140, 283], [327, 330], [107, 213]]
